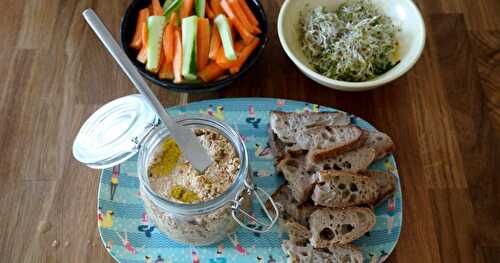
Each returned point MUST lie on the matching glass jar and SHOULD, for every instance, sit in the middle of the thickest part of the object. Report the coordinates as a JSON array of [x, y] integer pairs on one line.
[[201, 223], [126, 126]]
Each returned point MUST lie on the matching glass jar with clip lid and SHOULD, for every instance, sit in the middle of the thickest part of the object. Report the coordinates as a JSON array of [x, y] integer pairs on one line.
[[128, 126]]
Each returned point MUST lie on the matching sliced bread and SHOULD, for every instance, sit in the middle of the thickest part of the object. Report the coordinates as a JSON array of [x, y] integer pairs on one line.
[[278, 148], [329, 141], [286, 124], [354, 161], [381, 142], [386, 184], [289, 208], [330, 227], [299, 180], [297, 233], [335, 254], [343, 189]]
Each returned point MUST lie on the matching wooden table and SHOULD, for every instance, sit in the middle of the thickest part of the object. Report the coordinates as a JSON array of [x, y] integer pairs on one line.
[[444, 116]]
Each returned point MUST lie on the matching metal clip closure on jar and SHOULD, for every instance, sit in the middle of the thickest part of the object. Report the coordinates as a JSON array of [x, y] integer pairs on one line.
[[258, 227]]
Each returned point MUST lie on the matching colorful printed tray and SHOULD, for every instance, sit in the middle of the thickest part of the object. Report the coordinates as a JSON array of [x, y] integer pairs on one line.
[[129, 236]]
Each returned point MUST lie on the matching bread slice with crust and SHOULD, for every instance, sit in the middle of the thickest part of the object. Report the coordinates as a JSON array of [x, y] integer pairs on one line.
[[381, 142], [286, 124], [289, 208], [354, 161], [323, 142], [386, 184], [307, 254], [330, 227], [343, 189], [299, 173], [299, 180]]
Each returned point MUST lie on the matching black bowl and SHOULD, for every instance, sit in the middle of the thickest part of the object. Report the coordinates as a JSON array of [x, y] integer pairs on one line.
[[127, 30]]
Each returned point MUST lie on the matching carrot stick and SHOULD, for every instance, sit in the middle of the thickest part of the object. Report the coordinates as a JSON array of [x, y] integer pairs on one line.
[[243, 55], [216, 8], [222, 60], [210, 72], [244, 33], [233, 29], [145, 33], [203, 43], [238, 46], [157, 9], [248, 12], [169, 39], [238, 12], [208, 11], [186, 9], [177, 63], [137, 39], [143, 53], [215, 42], [166, 70]]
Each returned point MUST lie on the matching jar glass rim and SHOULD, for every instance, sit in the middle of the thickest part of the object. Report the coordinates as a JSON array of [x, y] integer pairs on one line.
[[195, 120]]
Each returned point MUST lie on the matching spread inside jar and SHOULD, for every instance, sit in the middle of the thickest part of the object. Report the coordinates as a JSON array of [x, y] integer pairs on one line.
[[174, 178]]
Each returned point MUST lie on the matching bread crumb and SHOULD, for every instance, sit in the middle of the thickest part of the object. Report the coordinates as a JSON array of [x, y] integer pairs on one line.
[[44, 227], [55, 243]]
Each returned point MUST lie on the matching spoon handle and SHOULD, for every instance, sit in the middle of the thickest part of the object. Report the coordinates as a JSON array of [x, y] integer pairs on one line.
[[183, 136], [121, 58]]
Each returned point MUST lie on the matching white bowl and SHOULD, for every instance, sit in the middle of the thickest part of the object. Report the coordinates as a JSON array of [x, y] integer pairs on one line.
[[403, 13]]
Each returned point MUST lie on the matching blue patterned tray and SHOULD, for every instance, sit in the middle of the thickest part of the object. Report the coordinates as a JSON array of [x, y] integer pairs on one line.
[[130, 237]]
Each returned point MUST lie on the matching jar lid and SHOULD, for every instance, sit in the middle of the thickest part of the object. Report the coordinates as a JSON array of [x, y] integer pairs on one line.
[[113, 133]]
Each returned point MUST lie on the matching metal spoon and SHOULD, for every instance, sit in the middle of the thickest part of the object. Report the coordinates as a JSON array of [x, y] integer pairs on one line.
[[183, 136]]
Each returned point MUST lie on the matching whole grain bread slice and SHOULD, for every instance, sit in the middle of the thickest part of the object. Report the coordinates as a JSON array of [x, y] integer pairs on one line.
[[299, 180], [286, 124], [307, 254], [329, 141], [381, 142], [289, 208], [386, 184], [354, 161], [330, 227], [343, 189]]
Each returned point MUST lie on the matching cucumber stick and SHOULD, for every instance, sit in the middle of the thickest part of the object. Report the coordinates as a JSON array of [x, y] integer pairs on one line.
[[199, 7], [171, 6], [189, 29], [225, 36], [166, 4], [155, 33]]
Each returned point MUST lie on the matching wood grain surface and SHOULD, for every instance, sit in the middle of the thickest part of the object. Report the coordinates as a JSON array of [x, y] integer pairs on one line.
[[444, 116]]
